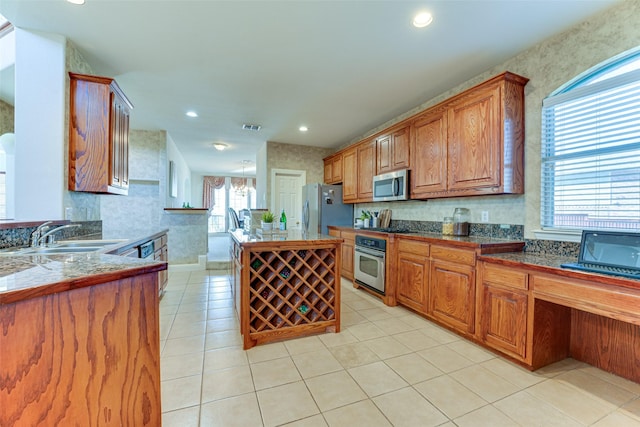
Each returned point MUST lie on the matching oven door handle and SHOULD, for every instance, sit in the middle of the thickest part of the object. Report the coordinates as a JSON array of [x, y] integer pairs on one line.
[[374, 253]]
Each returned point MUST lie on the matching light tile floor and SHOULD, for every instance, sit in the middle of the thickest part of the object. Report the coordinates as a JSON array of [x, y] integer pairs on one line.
[[388, 367]]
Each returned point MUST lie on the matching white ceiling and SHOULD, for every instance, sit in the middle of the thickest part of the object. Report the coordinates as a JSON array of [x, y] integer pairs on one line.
[[340, 67]]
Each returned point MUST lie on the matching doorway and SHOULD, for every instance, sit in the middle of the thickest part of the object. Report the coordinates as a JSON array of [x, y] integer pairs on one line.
[[286, 193]]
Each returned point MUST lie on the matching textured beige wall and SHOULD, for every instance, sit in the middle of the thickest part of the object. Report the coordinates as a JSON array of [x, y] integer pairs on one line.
[[548, 65], [295, 157], [86, 206], [6, 118]]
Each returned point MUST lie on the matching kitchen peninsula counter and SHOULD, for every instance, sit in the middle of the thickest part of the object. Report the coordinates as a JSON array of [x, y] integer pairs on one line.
[[79, 340], [285, 286], [24, 277]]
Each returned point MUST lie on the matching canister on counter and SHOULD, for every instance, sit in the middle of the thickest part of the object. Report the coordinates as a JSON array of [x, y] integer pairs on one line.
[[461, 218], [447, 226]]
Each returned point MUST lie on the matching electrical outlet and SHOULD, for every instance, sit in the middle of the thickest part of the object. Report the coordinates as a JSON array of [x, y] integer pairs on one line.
[[485, 216]]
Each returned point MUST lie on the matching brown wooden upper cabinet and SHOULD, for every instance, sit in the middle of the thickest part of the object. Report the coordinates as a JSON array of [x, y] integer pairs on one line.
[[429, 147], [393, 151], [350, 175], [471, 144], [98, 136], [366, 170], [333, 169], [359, 163]]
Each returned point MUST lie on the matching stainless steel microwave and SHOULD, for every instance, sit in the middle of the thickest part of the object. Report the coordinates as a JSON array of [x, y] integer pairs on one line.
[[391, 186]]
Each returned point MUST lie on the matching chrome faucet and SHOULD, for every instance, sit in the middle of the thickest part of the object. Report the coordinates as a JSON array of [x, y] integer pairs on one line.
[[35, 236], [42, 239]]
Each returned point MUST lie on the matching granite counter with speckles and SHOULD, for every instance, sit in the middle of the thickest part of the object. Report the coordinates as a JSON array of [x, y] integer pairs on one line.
[[29, 276]]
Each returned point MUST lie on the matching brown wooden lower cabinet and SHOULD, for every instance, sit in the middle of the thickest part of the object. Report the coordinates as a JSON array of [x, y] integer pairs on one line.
[[86, 357], [502, 309], [348, 246], [162, 254], [452, 288], [413, 274]]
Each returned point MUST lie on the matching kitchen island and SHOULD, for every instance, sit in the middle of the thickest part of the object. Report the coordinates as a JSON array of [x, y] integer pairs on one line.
[[285, 286], [79, 340]]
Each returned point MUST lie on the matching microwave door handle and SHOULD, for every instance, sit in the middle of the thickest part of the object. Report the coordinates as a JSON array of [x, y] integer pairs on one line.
[[396, 186]]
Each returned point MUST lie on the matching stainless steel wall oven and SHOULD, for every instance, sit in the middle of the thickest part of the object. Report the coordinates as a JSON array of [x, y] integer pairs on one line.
[[369, 262]]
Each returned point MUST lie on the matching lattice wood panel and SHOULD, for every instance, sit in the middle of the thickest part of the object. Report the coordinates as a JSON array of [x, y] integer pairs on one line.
[[290, 288]]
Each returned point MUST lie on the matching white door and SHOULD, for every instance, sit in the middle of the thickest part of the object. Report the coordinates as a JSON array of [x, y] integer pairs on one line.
[[286, 194]]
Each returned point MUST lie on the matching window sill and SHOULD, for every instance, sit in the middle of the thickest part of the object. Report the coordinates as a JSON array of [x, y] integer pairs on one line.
[[561, 235]]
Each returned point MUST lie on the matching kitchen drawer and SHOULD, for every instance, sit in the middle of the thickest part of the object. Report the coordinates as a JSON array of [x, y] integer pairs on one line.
[[503, 276], [413, 247], [131, 253], [348, 235], [157, 243], [459, 256], [606, 300]]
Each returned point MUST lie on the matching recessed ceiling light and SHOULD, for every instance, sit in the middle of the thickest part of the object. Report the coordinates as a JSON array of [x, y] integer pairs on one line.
[[219, 146], [76, 1], [303, 128], [422, 19], [192, 114]]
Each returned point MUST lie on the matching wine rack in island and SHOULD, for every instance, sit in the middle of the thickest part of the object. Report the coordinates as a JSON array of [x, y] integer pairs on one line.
[[289, 291]]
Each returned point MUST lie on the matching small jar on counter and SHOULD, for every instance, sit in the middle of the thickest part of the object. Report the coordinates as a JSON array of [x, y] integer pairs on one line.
[[461, 222], [447, 226]]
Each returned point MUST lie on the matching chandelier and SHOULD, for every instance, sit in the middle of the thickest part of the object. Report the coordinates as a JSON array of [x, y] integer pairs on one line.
[[241, 190]]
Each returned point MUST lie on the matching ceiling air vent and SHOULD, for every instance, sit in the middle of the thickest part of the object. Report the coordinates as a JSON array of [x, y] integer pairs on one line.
[[251, 127]]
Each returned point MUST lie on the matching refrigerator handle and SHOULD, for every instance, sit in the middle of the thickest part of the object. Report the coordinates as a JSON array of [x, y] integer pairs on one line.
[[305, 216]]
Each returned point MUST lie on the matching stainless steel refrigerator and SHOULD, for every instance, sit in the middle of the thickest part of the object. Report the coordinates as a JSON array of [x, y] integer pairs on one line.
[[322, 206]]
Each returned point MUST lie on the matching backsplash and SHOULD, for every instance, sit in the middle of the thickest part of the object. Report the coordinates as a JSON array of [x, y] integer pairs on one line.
[[498, 231], [20, 236], [552, 247]]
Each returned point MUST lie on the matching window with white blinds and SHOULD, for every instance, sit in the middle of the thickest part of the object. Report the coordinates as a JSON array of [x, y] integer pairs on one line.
[[591, 151]]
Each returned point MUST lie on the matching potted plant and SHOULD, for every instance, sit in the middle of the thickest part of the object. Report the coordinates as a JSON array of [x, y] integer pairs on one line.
[[267, 220], [365, 216]]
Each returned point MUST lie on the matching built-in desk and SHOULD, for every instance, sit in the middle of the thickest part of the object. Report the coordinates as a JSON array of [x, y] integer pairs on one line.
[[556, 313]]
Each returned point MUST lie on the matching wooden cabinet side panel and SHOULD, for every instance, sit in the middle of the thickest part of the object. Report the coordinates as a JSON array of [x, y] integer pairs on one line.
[[429, 148], [89, 131], [89, 357], [474, 133], [550, 332], [513, 138], [609, 344]]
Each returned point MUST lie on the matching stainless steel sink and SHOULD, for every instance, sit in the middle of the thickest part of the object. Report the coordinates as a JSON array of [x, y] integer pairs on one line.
[[87, 243], [61, 250], [64, 247]]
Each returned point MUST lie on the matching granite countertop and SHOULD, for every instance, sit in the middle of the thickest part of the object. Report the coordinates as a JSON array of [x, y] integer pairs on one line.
[[29, 276], [291, 236], [33, 275], [462, 241]]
